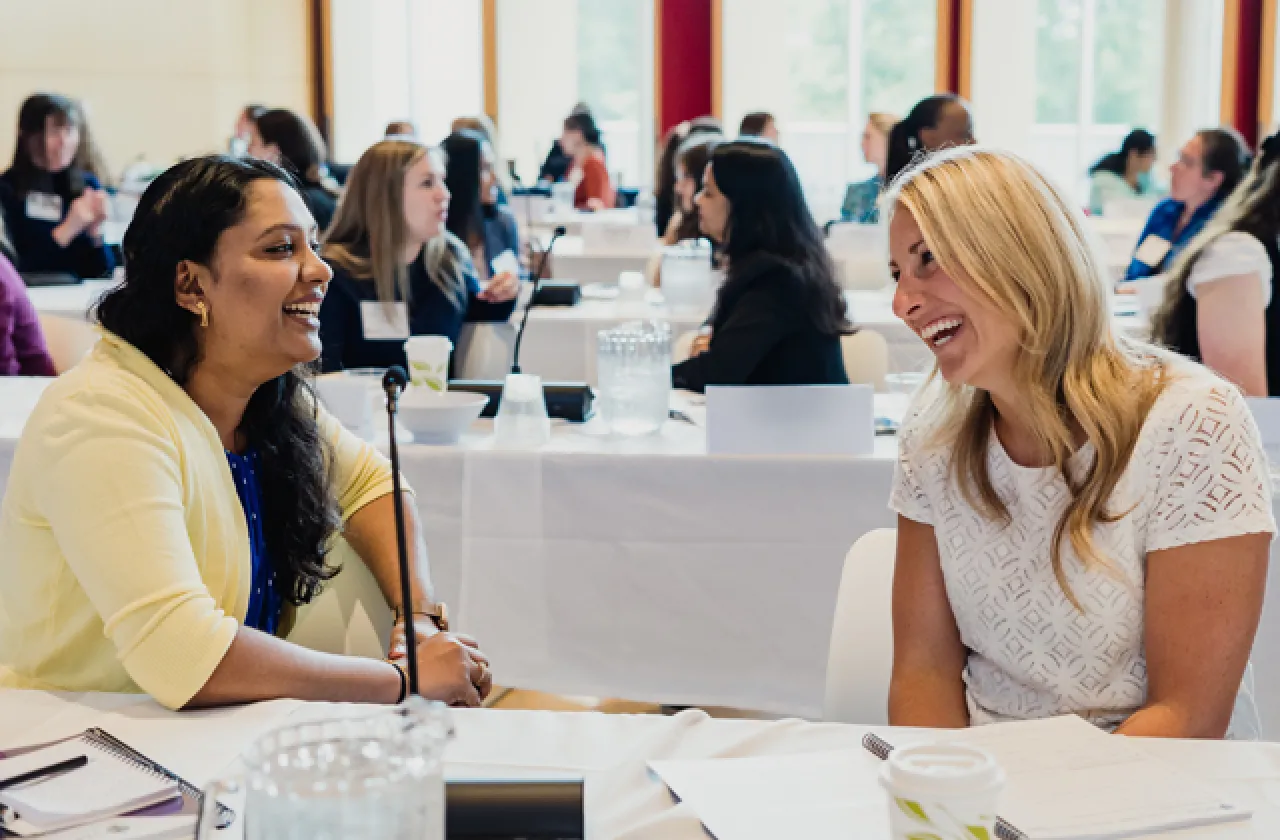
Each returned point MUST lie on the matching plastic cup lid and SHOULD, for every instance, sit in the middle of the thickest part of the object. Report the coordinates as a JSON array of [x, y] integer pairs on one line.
[[944, 770]]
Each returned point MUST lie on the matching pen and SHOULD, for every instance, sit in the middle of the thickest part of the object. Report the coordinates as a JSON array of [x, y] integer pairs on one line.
[[41, 772]]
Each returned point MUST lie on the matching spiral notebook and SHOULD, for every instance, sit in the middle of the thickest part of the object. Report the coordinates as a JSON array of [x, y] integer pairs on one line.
[[120, 794]]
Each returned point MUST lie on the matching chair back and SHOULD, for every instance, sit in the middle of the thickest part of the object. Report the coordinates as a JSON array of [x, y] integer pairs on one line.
[[866, 358], [69, 340], [860, 658]]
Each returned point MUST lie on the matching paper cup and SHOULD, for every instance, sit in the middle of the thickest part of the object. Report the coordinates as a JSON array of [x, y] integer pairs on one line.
[[943, 791], [429, 361]]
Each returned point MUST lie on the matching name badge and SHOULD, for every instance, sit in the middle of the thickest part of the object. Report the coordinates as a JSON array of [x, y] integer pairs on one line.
[[44, 207], [384, 322], [1152, 251]]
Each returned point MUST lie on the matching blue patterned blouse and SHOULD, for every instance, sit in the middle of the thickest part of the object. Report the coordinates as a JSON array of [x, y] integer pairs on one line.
[[265, 599]]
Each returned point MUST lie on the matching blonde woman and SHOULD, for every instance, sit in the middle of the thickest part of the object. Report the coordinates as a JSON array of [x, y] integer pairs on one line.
[[1083, 521], [388, 245], [859, 203]]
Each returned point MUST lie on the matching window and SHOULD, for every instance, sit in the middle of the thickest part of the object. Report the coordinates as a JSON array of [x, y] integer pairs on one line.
[[391, 60], [838, 60], [591, 51], [1101, 70]]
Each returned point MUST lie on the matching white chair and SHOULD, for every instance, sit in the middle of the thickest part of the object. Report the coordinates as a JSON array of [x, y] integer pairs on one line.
[[69, 340], [866, 358], [860, 659], [350, 617]]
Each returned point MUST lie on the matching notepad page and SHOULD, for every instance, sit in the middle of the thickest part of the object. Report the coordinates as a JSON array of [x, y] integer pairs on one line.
[[1068, 780], [106, 786]]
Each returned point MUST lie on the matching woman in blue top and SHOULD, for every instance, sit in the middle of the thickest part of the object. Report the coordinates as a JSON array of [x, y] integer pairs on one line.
[[1208, 168], [475, 216], [396, 271], [52, 203]]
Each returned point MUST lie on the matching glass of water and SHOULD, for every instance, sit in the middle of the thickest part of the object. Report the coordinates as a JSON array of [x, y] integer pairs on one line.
[[374, 776], [633, 364]]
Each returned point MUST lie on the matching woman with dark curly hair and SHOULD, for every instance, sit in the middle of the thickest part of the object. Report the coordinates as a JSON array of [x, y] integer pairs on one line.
[[174, 497]]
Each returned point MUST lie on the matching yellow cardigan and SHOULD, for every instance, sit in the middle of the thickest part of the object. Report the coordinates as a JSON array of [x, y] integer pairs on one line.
[[124, 554]]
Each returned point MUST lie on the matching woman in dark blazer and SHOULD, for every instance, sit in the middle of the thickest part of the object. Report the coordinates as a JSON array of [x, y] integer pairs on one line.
[[476, 218], [780, 313]]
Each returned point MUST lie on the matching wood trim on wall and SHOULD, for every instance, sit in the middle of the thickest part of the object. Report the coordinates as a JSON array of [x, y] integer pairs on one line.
[[1230, 60], [955, 33], [1267, 68], [489, 45], [320, 66], [717, 58], [657, 70]]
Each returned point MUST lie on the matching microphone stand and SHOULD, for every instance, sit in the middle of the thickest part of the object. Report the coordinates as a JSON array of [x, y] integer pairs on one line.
[[394, 381], [537, 284]]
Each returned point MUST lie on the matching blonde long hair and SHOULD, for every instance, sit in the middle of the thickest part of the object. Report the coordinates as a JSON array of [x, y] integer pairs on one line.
[[369, 234], [1000, 228]]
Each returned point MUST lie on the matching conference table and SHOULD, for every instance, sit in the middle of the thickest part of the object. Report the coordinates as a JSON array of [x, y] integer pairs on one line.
[[623, 799]]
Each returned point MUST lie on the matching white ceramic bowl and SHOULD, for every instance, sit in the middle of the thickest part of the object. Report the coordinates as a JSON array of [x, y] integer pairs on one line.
[[439, 418]]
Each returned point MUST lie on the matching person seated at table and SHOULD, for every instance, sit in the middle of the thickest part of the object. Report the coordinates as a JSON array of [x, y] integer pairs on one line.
[[1083, 520], [242, 134], [935, 122], [53, 205], [475, 216], [1124, 174], [401, 128], [1218, 294], [690, 166], [859, 205], [664, 178], [556, 166], [396, 270], [482, 125], [22, 346], [173, 499], [290, 139], [780, 313], [1208, 168], [589, 174], [759, 124]]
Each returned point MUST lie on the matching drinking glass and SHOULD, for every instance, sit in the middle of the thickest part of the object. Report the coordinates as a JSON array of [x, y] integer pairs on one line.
[[374, 776], [633, 366]]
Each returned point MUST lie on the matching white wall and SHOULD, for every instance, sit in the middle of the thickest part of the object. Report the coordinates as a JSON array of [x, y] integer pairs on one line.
[[418, 60], [1002, 81], [162, 79]]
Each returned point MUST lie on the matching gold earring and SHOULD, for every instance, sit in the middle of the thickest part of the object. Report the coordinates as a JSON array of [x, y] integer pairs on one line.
[[204, 313]]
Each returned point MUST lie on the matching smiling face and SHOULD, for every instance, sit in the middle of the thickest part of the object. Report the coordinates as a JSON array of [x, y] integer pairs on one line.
[[263, 287], [972, 341], [426, 198]]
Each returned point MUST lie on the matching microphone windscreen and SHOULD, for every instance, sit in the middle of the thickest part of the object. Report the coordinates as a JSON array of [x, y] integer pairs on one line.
[[560, 230], [395, 377]]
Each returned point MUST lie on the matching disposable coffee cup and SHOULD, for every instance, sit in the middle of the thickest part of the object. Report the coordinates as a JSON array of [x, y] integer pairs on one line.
[[947, 791], [429, 361]]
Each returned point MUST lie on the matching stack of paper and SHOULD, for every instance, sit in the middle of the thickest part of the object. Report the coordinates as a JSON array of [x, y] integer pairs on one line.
[[1067, 780]]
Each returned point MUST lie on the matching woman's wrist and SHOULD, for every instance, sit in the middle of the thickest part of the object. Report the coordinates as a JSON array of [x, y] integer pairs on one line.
[[64, 233]]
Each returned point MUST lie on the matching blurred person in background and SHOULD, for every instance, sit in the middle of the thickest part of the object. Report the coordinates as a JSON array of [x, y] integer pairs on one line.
[[1208, 168], [664, 179], [580, 139], [935, 122], [1123, 174], [53, 204], [284, 137], [859, 203], [759, 124]]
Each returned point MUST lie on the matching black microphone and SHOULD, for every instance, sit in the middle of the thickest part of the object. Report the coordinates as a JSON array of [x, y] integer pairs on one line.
[[537, 284], [394, 381]]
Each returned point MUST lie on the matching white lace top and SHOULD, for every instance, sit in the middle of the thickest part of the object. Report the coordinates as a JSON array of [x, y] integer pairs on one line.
[[1198, 473]]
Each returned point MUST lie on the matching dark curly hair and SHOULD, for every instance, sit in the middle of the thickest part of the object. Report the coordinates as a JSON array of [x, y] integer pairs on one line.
[[180, 217]]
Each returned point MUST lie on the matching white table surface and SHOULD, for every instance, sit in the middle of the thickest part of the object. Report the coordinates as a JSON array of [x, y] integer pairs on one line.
[[624, 801]]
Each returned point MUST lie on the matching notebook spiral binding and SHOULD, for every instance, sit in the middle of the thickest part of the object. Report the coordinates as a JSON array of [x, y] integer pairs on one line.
[[881, 748], [106, 742]]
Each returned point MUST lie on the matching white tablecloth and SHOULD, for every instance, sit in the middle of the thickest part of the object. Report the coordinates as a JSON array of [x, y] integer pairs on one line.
[[624, 801]]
